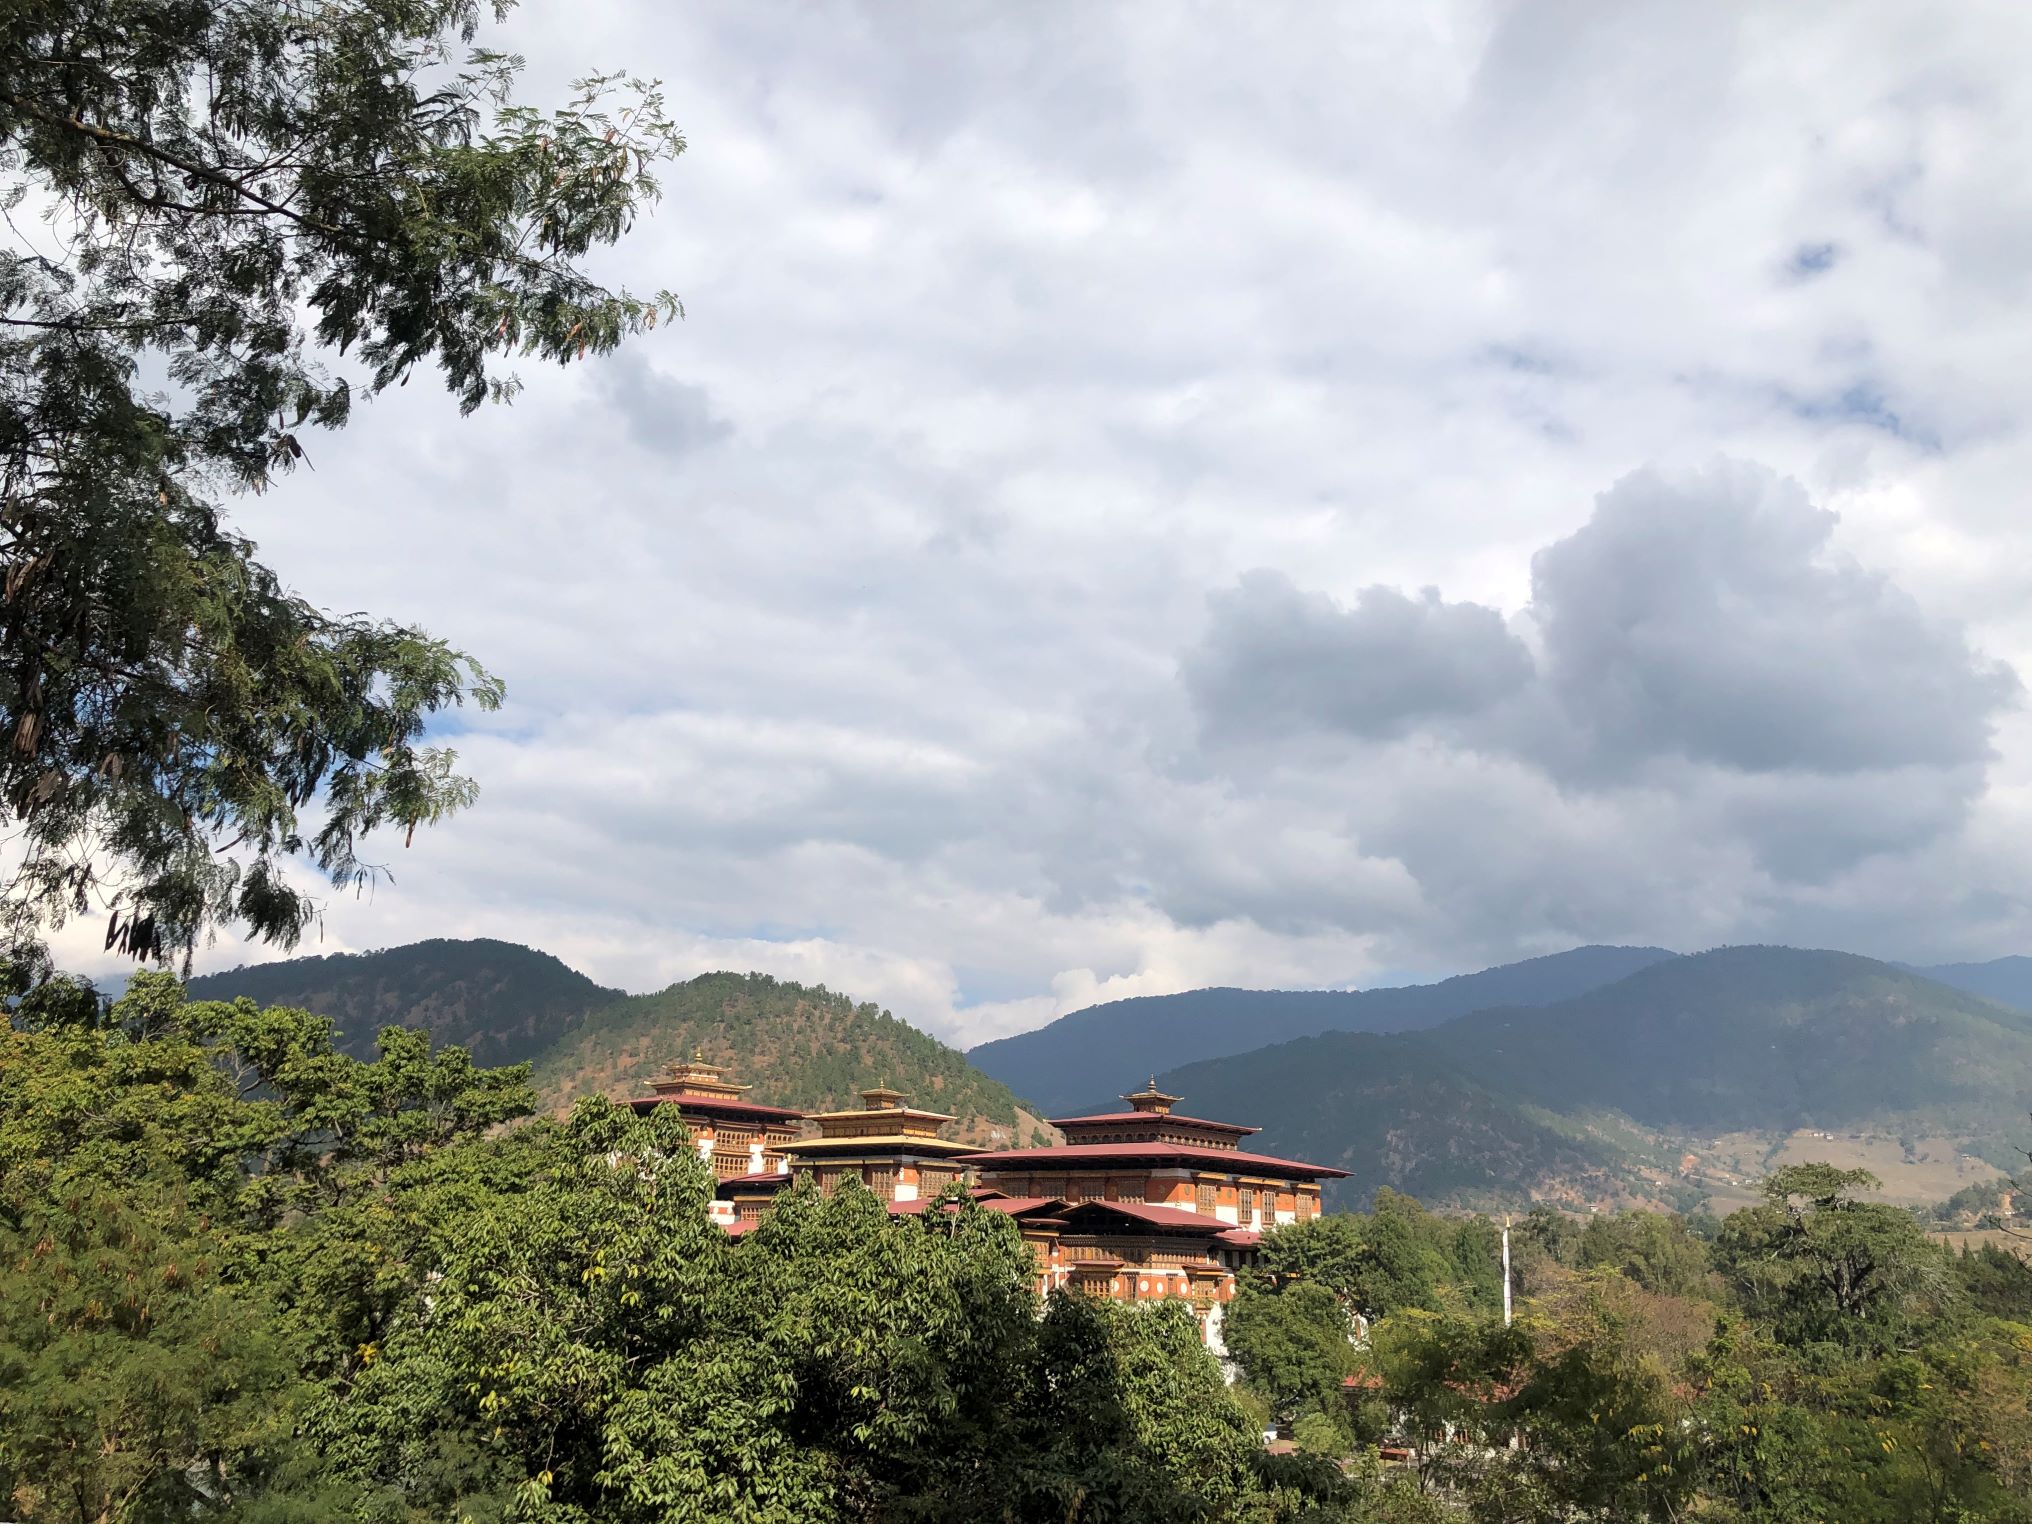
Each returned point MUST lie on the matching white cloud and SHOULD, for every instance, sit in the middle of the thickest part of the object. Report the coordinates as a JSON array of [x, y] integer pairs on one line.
[[842, 622]]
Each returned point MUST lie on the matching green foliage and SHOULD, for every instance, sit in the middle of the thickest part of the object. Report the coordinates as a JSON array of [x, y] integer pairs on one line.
[[1396, 1256], [1322, 1433], [501, 1002], [1295, 1346], [1995, 1282], [138, 1379], [1653, 1248], [1832, 1364], [204, 1208], [1972, 1204], [597, 1349], [793, 1044], [1821, 1265], [231, 197]]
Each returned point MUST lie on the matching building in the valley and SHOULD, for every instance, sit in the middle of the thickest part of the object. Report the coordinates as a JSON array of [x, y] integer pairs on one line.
[[1150, 1155], [741, 1139], [1156, 1205], [892, 1148], [1141, 1205]]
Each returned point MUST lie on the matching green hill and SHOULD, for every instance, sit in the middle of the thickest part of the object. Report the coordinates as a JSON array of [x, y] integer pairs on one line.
[[1088, 1057], [501, 1001], [1762, 1038], [1612, 1094], [794, 1045], [1392, 1111]]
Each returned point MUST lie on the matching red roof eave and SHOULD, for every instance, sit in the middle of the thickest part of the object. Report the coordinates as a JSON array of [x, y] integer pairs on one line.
[[1154, 1119], [1156, 1216], [1227, 1160], [712, 1104]]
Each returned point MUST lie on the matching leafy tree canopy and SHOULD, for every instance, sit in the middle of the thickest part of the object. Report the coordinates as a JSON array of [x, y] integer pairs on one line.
[[227, 222]]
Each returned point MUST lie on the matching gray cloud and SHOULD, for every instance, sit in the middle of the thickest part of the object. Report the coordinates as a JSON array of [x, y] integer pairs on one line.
[[1277, 660], [1700, 615], [1034, 325], [1723, 714], [664, 416]]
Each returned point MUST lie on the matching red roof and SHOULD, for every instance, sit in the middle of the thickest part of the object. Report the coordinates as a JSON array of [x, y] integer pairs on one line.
[[1017, 1206], [1226, 1159], [746, 1224], [1241, 1238], [1156, 1216], [1008, 1206], [1154, 1118], [714, 1103], [774, 1177]]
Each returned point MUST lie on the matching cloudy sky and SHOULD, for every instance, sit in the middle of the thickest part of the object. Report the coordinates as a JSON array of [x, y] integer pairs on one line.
[[1157, 495]]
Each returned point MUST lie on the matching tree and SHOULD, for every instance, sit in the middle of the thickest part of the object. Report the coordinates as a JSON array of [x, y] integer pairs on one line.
[[1293, 1345], [204, 1211], [1821, 1264], [229, 200], [1398, 1255], [597, 1348], [1654, 1249], [137, 1379]]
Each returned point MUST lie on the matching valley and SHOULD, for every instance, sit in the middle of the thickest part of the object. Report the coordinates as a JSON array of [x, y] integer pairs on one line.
[[1612, 1077]]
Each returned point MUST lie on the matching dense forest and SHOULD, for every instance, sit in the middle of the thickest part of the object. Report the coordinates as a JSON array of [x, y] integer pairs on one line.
[[244, 1275], [1815, 1357], [793, 1044], [1598, 1099], [500, 1001]]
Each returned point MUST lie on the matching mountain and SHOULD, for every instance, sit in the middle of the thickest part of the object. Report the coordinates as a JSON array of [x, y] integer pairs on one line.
[[2008, 981], [1617, 1093], [1393, 1111], [501, 1001], [1087, 1057], [793, 1045], [1759, 1038]]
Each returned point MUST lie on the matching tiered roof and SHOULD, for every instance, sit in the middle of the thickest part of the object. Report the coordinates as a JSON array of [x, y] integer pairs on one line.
[[882, 1123], [1149, 1132], [697, 1086]]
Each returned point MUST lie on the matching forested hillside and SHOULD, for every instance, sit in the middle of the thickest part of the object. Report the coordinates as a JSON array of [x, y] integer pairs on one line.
[[1760, 1037], [2008, 981], [1613, 1095], [1089, 1056], [500, 1001], [794, 1045], [1394, 1112]]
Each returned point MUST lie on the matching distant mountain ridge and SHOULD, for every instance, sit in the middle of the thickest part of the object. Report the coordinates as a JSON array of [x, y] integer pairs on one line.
[[1588, 1077], [1757, 1037], [501, 1001], [2008, 981], [1590, 1098], [793, 1045], [1087, 1056]]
